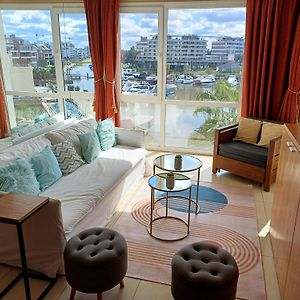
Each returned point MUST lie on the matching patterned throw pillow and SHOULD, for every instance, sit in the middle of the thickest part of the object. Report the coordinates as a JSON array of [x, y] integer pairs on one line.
[[67, 157], [7, 183]]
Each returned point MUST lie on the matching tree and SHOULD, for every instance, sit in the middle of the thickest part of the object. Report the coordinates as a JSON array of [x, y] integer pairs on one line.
[[216, 117], [222, 91], [131, 56]]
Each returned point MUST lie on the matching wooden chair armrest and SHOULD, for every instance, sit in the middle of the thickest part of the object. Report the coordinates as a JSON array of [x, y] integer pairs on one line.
[[274, 148], [224, 134], [227, 127]]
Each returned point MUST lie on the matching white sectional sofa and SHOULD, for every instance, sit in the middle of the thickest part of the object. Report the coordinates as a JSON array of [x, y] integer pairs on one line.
[[85, 198]]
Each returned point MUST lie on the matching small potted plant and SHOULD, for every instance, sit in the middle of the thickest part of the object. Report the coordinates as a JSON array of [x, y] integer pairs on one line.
[[178, 162], [170, 180]]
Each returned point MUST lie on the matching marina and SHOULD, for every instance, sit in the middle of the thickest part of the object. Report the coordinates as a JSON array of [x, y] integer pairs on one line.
[[178, 87]]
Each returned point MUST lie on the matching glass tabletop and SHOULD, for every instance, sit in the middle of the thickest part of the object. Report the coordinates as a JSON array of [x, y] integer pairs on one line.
[[167, 162], [159, 181]]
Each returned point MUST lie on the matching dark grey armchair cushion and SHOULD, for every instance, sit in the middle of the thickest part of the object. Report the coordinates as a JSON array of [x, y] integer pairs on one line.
[[244, 152]]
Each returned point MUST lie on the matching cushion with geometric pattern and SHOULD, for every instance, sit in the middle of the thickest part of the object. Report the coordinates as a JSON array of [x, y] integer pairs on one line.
[[67, 157]]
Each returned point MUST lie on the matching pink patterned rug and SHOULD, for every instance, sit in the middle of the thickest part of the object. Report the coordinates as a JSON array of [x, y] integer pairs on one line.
[[233, 228]]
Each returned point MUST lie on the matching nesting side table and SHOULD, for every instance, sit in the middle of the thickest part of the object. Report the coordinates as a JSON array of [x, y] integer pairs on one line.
[[15, 209], [166, 162], [158, 182]]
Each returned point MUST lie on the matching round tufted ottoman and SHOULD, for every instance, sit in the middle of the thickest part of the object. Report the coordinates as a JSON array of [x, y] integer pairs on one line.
[[95, 261], [204, 271]]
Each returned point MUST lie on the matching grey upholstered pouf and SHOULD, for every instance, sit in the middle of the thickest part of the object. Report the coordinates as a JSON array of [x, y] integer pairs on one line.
[[203, 271], [95, 260]]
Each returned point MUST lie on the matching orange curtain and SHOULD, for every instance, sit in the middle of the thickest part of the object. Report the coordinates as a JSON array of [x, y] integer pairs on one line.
[[270, 33], [103, 25], [289, 111], [3, 115], [110, 31]]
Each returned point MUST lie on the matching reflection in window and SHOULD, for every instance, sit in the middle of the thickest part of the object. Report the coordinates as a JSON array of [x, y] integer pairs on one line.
[[193, 127], [142, 116], [34, 113]]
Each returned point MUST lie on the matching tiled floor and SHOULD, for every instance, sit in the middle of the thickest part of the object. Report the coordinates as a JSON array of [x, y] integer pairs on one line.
[[142, 290]]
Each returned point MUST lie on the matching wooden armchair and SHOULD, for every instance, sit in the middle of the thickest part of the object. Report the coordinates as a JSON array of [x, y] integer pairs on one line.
[[264, 174]]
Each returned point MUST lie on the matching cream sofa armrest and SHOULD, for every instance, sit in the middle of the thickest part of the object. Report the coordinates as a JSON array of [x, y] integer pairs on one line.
[[130, 137]]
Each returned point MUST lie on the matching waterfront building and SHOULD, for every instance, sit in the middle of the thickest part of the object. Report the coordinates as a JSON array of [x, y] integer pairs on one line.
[[181, 50], [21, 51], [227, 48]]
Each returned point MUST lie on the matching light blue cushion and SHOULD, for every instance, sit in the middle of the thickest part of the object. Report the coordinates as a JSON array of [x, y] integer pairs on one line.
[[7, 183], [25, 182], [106, 134], [46, 168], [90, 146]]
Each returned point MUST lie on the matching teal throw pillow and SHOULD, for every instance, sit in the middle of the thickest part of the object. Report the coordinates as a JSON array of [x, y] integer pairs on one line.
[[46, 168], [106, 134], [25, 182], [7, 183], [68, 159], [90, 146]]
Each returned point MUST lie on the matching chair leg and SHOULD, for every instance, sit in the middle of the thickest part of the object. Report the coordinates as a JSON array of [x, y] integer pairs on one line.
[[267, 186], [122, 284], [99, 296], [73, 292]]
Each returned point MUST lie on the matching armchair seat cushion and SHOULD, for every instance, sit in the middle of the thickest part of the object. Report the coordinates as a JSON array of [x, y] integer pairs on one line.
[[244, 152]]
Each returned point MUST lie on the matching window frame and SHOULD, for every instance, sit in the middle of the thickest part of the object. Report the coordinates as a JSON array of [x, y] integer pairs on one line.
[[61, 94], [163, 101]]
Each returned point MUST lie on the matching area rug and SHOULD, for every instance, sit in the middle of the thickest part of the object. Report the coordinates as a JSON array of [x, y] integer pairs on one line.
[[233, 227]]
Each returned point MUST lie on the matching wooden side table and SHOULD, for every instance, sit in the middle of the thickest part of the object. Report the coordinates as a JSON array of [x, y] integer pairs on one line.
[[15, 209]]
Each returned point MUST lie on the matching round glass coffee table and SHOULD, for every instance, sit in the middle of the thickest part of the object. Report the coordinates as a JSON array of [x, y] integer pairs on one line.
[[190, 163], [165, 222]]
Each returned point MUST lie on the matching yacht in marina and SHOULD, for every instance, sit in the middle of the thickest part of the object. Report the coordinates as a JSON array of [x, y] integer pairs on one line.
[[207, 80]]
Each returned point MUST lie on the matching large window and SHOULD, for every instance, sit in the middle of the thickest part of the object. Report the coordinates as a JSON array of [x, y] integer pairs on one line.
[[180, 67], [46, 64], [139, 53], [201, 55]]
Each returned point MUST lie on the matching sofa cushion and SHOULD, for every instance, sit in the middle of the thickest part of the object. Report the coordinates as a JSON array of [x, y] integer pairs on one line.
[[92, 182], [7, 183], [67, 157], [46, 168], [71, 133], [106, 134], [245, 152], [21, 171], [269, 131], [248, 130], [90, 146], [25, 149]]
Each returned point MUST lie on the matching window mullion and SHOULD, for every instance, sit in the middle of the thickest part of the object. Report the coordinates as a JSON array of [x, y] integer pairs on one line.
[[57, 58]]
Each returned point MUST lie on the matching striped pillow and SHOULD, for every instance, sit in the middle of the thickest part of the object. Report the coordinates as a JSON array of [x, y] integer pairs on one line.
[[67, 157]]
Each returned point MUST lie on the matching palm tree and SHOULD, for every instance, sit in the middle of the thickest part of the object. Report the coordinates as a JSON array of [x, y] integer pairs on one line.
[[222, 91], [216, 117]]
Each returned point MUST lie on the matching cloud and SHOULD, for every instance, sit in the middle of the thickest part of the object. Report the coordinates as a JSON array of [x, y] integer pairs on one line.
[[20, 16], [209, 23]]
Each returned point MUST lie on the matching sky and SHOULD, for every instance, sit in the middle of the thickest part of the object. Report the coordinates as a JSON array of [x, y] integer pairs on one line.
[[210, 23], [35, 26]]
